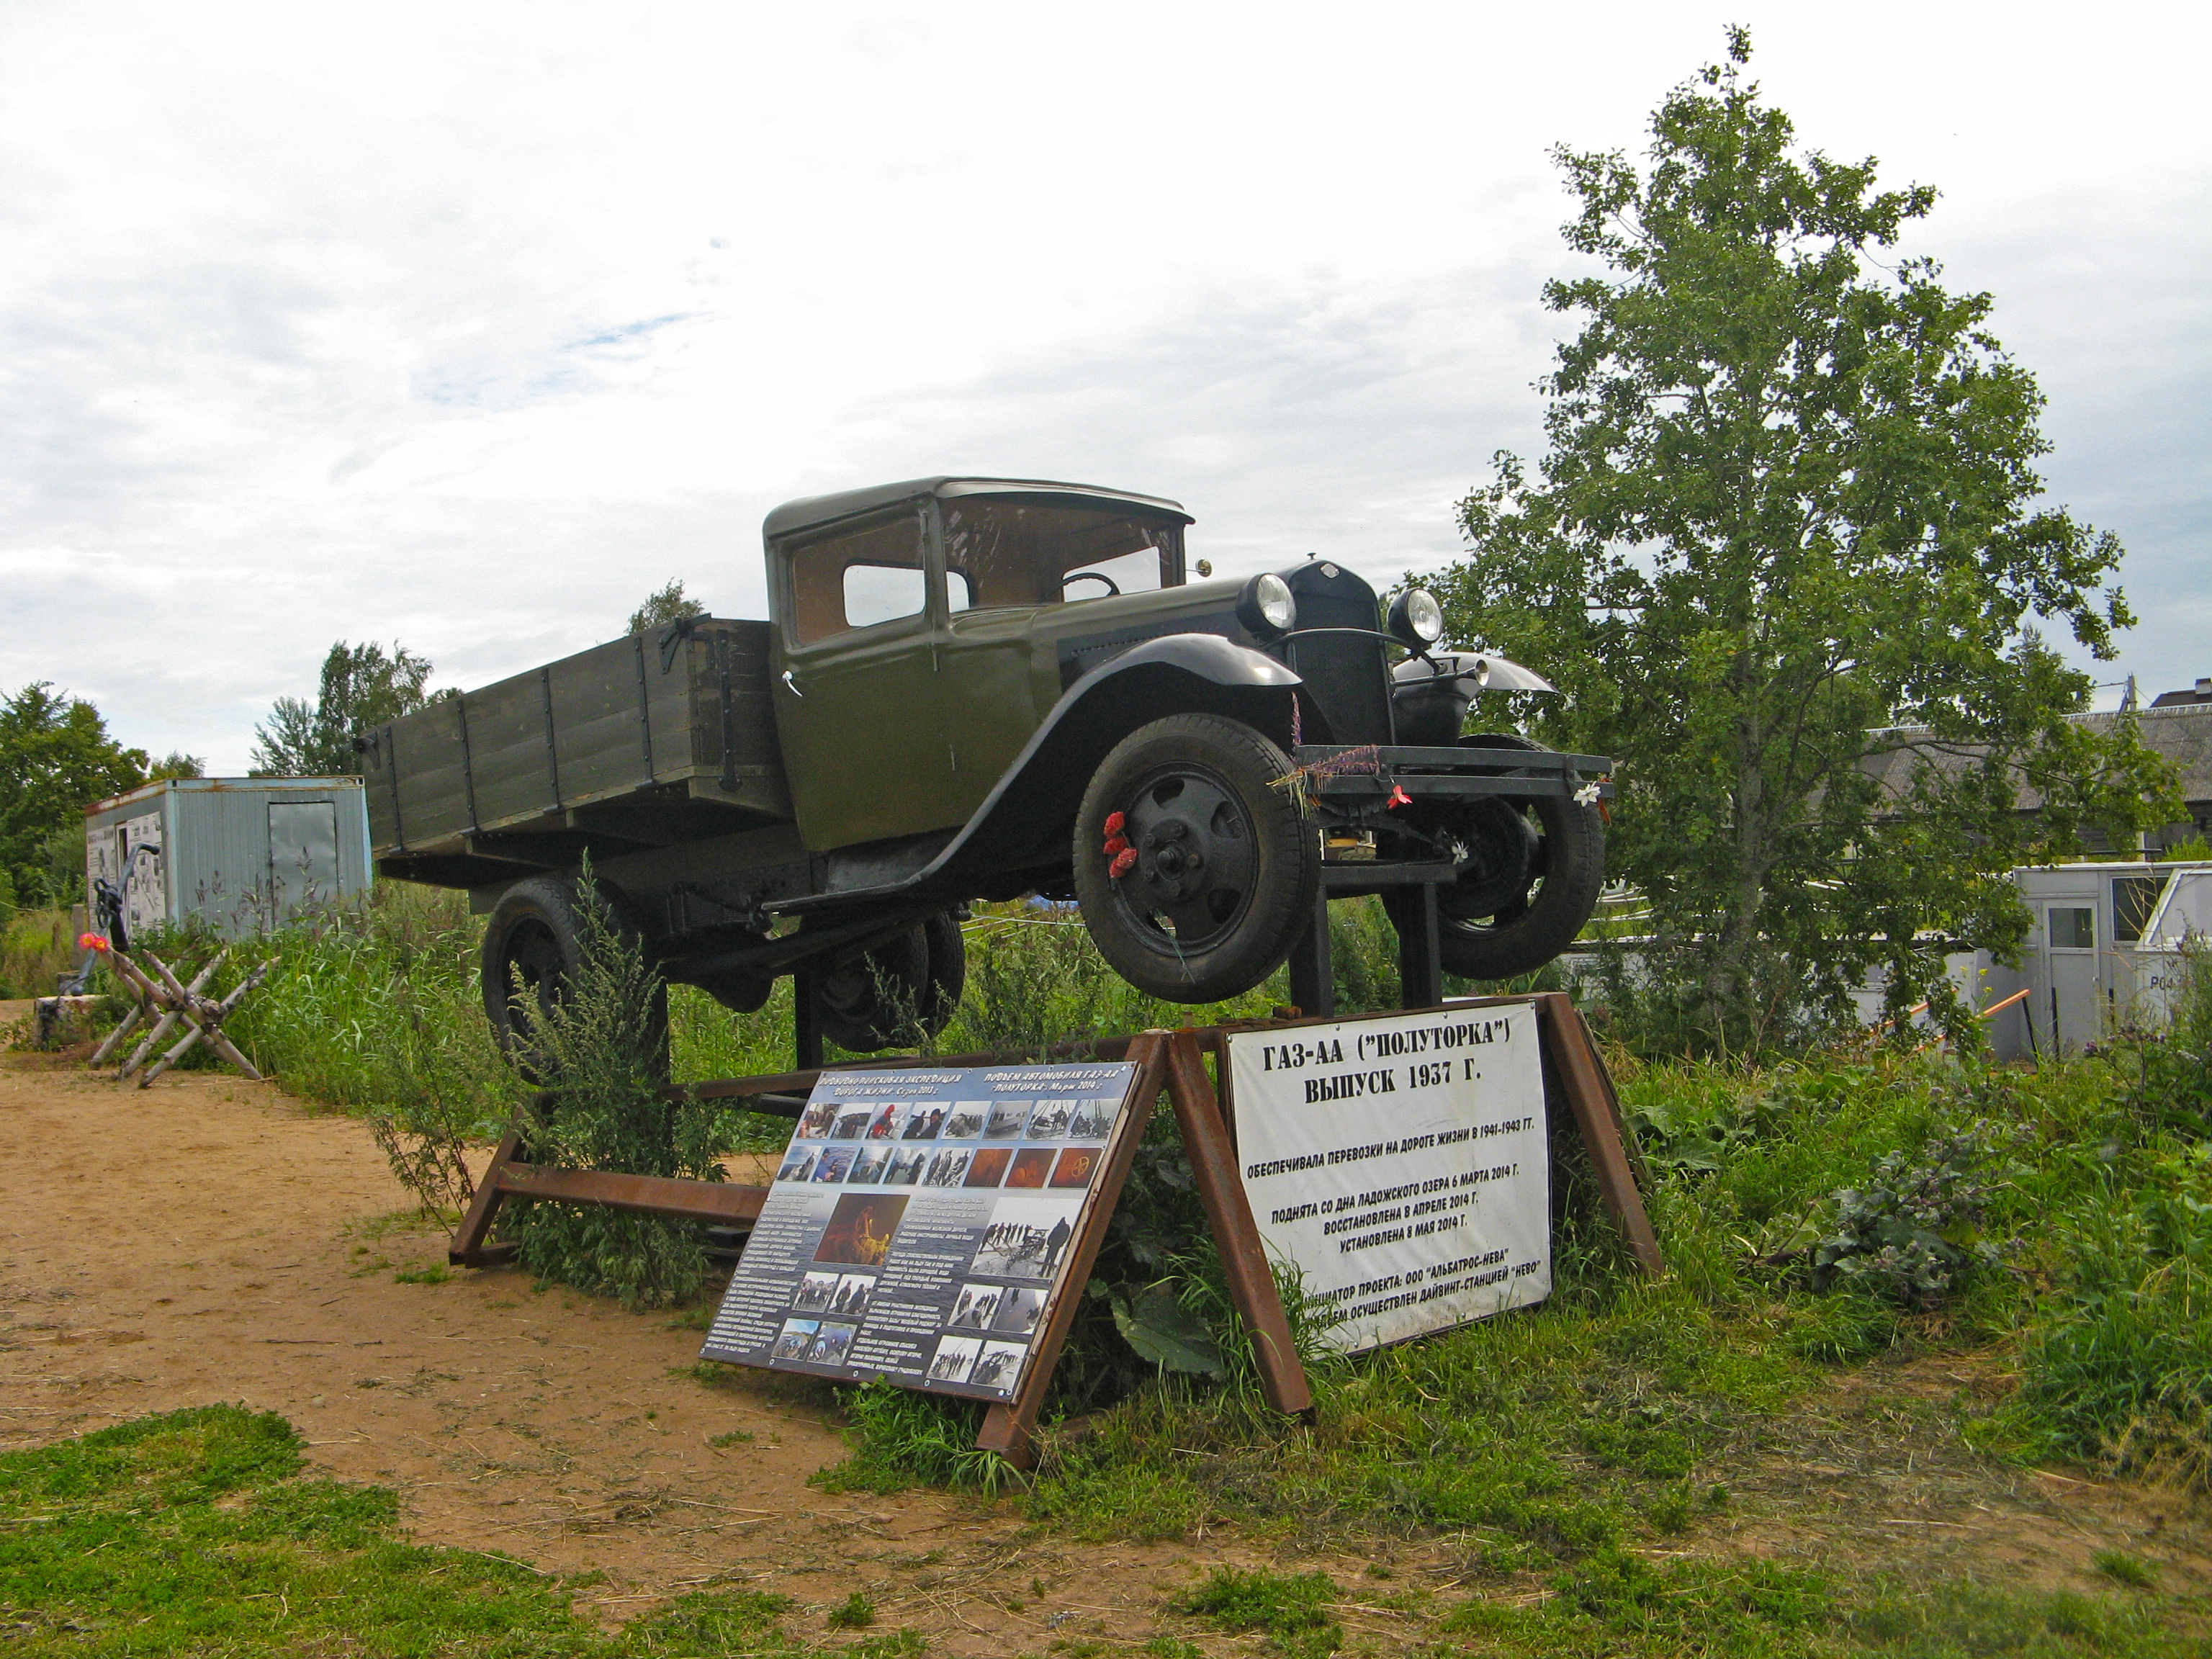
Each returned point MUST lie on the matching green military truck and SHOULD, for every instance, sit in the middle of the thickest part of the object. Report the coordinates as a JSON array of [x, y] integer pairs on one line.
[[973, 688]]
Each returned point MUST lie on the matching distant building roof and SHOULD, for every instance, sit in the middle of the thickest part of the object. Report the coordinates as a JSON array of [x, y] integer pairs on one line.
[[2180, 731], [2201, 693]]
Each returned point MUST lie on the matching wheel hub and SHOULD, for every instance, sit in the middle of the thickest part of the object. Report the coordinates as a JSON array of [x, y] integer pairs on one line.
[[1195, 861]]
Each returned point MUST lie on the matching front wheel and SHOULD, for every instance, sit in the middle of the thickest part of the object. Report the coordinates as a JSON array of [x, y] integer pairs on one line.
[[1194, 864], [1529, 876]]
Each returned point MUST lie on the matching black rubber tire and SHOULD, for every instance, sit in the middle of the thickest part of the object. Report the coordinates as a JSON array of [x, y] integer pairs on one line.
[[536, 936], [1220, 782], [875, 1001], [948, 970], [1482, 933]]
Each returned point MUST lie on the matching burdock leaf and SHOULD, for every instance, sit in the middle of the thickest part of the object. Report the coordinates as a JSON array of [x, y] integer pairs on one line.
[[1163, 1331]]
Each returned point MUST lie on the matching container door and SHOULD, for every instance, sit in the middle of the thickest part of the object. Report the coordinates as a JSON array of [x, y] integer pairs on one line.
[[145, 876], [2069, 976], [303, 855]]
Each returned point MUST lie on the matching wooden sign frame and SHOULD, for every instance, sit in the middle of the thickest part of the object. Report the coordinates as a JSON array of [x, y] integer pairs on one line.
[[1170, 1062]]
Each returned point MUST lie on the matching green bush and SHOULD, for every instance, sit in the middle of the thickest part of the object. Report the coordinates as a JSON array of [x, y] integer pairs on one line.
[[599, 1050]]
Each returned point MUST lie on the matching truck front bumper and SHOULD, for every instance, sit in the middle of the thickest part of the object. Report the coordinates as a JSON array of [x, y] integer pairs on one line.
[[1353, 781]]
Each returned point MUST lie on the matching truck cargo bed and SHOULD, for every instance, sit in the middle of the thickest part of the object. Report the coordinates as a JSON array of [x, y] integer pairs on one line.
[[660, 738]]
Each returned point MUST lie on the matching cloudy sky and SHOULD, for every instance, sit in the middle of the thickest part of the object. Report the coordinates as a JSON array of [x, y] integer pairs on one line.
[[468, 326]]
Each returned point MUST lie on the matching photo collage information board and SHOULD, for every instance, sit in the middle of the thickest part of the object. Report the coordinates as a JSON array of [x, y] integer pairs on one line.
[[920, 1223], [1402, 1163]]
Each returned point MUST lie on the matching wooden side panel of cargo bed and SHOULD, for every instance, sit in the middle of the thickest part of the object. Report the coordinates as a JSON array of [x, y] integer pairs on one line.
[[602, 742], [507, 755], [430, 788]]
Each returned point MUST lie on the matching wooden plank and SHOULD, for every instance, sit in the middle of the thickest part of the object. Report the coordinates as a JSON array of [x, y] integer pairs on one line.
[[468, 1248], [699, 1200], [1597, 1116], [1010, 1429], [1243, 1258]]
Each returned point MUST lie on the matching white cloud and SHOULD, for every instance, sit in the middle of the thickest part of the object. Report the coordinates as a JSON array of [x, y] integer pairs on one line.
[[467, 326]]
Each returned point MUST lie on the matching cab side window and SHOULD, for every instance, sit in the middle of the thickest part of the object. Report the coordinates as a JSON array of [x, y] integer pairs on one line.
[[856, 578]]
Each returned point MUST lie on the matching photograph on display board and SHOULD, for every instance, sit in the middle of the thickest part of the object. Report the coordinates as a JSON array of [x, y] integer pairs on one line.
[[799, 1165], [885, 1123], [796, 1337], [852, 1122], [966, 1119], [955, 1358], [861, 1228], [1026, 1238], [1031, 1167], [833, 1162], [949, 1168], [868, 1167], [975, 1306], [1076, 1166], [923, 1123], [815, 1291], [830, 1344], [851, 1298], [1048, 1120], [817, 1120], [1093, 1120], [1006, 1119], [988, 1167], [906, 1166], [999, 1365], [1018, 1310]]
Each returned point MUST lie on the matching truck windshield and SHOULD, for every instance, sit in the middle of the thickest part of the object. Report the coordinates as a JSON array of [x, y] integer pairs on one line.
[[1008, 553]]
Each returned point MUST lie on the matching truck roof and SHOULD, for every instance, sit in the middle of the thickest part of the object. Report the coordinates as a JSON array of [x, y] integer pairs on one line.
[[815, 510]]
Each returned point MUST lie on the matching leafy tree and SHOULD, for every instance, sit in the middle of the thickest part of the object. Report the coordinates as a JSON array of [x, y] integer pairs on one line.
[[177, 764], [56, 759], [362, 687], [669, 604], [1787, 549]]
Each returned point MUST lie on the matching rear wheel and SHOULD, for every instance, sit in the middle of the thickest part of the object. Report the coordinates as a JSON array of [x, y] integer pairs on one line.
[[883, 998], [532, 948], [1530, 872], [1217, 868]]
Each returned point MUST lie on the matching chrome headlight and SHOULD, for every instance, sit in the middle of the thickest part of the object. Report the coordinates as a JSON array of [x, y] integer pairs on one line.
[[1266, 607], [1416, 618]]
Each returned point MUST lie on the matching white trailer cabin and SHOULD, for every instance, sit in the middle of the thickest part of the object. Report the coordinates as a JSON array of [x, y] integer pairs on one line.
[[239, 854]]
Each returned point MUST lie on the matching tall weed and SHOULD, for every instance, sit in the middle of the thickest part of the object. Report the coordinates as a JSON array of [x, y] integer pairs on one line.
[[599, 1050]]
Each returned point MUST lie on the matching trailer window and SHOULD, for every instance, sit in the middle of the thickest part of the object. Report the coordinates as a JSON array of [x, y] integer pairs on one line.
[[1009, 553], [857, 578], [2072, 929], [2134, 898]]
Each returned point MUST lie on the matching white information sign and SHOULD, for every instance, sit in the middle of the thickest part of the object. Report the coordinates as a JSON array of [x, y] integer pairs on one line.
[[1402, 1162]]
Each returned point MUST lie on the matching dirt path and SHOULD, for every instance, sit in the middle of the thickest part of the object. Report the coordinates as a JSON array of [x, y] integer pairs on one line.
[[209, 1240]]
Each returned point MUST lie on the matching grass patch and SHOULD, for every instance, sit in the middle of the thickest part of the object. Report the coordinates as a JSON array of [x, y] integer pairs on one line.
[[1624, 1607], [1291, 1610], [193, 1532]]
